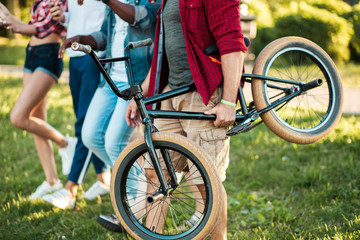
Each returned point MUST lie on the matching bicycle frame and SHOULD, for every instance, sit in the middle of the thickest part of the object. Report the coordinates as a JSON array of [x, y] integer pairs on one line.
[[245, 115]]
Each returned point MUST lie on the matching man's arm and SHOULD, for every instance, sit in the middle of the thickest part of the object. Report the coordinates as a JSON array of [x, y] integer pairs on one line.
[[125, 11], [232, 67], [142, 16], [224, 24]]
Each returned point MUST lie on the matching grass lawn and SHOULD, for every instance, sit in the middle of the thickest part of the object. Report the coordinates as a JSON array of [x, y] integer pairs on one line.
[[276, 190]]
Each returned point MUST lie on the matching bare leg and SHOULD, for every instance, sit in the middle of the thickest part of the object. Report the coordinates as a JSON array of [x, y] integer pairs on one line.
[[36, 86], [104, 177], [72, 187], [31, 104], [220, 230], [156, 212], [44, 147], [197, 195]]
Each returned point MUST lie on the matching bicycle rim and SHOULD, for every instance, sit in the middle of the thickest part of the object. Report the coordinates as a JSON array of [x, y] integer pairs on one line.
[[308, 112], [183, 214]]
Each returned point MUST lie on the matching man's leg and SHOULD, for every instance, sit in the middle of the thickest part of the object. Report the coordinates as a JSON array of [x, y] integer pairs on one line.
[[211, 139], [220, 230], [84, 79]]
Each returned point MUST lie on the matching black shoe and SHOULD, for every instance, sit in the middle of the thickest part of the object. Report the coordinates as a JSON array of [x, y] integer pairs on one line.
[[110, 223]]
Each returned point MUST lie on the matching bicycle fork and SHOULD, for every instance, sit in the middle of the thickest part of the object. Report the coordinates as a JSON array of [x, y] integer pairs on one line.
[[135, 91], [164, 190]]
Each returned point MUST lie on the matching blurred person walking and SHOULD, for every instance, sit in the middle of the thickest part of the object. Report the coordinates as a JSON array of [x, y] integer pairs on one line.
[[42, 70], [84, 80]]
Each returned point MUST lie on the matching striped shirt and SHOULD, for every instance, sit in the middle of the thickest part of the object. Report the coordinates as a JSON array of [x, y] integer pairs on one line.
[[42, 20]]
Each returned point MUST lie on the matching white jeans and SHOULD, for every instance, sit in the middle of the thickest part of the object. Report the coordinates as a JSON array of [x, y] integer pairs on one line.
[[105, 131]]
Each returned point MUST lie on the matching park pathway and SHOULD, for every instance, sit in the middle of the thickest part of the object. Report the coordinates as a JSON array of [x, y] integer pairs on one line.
[[351, 103]]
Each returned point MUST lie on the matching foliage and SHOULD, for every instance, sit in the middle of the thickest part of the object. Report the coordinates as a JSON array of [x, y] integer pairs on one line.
[[354, 18], [330, 31], [262, 12], [264, 36], [265, 24], [335, 6], [319, 20]]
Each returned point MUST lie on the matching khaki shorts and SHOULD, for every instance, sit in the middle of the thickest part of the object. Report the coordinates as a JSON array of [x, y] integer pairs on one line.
[[203, 132]]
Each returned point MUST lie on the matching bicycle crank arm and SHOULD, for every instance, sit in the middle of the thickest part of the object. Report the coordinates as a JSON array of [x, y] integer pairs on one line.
[[243, 126]]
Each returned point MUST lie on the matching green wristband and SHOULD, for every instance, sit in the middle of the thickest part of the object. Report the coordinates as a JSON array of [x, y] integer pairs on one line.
[[228, 103]]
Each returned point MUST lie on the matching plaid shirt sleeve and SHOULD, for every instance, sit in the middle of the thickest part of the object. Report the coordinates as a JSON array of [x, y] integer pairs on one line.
[[42, 19], [224, 24]]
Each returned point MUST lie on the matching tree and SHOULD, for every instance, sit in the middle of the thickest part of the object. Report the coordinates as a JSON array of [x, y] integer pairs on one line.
[[351, 2]]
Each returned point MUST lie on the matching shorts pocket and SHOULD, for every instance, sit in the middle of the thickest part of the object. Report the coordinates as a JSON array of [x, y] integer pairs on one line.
[[213, 141]]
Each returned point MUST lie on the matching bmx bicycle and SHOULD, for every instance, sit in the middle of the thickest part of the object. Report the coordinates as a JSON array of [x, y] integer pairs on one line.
[[297, 93]]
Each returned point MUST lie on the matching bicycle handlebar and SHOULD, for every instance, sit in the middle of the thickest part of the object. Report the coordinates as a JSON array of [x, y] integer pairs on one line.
[[87, 49], [81, 47], [146, 42]]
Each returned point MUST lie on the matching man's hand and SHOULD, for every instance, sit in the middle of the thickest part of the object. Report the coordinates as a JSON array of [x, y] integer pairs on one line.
[[57, 12], [66, 44], [225, 115], [132, 115]]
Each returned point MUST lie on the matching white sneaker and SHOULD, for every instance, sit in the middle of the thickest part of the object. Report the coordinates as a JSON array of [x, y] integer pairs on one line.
[[45, 188], [96, 189], [67, 154], [61, 199]]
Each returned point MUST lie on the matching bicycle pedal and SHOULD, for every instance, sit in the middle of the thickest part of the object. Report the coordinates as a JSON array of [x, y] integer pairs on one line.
[[240, 128]]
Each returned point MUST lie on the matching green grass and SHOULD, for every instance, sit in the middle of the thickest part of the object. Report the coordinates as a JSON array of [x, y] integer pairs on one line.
[[276, 190]]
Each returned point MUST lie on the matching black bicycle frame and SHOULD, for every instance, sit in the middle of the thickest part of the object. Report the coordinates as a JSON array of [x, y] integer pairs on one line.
[[147, 116]]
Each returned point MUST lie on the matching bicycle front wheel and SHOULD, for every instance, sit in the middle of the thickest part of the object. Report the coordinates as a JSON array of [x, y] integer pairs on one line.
[[310, 116], [189, 211]]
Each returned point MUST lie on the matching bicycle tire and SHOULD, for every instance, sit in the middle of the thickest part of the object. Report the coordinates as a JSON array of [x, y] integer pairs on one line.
[[134, 224], [308, 117]]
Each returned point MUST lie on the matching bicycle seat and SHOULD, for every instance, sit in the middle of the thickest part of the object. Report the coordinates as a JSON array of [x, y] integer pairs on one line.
[[213, 49]]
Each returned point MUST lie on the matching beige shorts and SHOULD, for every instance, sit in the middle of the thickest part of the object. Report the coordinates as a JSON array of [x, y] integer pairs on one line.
[[202, 132]]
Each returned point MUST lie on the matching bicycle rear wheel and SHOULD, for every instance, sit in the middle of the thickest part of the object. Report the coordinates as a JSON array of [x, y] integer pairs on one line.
[[310, 116], [187, 212]]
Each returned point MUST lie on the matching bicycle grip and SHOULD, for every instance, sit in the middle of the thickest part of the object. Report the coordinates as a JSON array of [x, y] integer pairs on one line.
[[81, 47], [146, 42]]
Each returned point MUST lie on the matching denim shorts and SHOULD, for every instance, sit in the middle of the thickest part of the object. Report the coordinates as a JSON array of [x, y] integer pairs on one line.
[[44, 58]]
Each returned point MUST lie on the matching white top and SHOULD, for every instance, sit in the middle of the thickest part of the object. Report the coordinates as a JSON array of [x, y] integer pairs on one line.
[[83, 20], [118, 72]]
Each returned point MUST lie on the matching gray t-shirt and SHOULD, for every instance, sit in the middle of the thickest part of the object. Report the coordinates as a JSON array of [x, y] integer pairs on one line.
[[179, 70]]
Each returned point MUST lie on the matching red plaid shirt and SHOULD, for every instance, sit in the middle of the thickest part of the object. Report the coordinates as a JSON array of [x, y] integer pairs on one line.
[[42, 20], [204, 22]]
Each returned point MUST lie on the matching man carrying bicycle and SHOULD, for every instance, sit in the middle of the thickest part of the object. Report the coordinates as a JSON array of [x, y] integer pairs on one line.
[[185, 30]]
